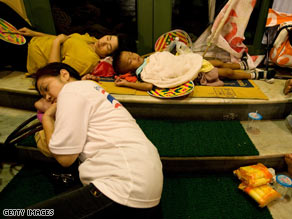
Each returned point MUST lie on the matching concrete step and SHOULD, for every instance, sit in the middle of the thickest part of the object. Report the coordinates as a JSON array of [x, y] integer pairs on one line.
[[10, 119], [16, 92], [274, 136]]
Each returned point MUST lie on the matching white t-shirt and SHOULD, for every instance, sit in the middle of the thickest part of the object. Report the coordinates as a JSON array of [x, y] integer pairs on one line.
[[116, 156]]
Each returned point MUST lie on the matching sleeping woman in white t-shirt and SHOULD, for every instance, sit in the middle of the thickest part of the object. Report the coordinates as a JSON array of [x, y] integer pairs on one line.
[[120, 169]]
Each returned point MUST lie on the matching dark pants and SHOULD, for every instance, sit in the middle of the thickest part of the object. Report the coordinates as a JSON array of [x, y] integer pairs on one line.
[[11, 54], [89, 202]]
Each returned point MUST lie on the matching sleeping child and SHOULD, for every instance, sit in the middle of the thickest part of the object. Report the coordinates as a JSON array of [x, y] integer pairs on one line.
[[165, 70]]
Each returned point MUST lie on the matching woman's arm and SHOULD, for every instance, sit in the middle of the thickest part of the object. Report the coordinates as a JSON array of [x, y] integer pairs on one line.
[[136, 85], [48, 122], [55, 55], [28, 32]]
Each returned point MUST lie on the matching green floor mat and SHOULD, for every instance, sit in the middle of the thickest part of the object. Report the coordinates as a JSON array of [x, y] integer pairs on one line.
[[208, 196], [29, 186], [204, 196], [176, 138], [180, 138]]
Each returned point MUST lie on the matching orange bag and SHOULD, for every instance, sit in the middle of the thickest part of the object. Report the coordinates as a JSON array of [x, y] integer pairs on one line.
[[253, 176], [280, 50], [255, 179], [263, 195]]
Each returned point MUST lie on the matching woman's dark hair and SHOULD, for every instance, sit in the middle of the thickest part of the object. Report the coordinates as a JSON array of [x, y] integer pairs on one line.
[[116, 61], [125, 42], [53, 69]]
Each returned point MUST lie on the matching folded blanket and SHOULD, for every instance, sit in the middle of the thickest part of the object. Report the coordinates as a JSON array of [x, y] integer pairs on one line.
[[166, 70]]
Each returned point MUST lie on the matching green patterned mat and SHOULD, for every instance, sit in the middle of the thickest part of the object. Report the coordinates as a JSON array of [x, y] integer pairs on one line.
[[204, 196], [177, 138], [184, 196], [180, 138], [208, 196]]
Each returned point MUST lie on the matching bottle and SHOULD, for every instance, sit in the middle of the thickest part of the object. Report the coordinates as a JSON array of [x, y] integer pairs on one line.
[[283, 185]]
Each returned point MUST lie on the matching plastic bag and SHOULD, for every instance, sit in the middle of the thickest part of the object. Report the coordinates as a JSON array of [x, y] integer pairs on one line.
[[253, 176], [262, 194]]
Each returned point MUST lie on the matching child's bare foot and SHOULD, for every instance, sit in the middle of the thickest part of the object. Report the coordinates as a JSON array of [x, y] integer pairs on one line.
[[288, 159], [288, 86]]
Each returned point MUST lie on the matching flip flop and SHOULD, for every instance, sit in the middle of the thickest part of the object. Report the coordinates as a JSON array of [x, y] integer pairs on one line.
[[287, 84]]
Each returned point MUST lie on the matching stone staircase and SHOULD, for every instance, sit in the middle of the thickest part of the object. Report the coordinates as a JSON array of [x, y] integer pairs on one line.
[[17, 98], [16, 91]]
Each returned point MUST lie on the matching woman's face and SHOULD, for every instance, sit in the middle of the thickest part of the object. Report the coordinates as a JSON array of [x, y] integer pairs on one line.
[[50, 86], [106, 45]]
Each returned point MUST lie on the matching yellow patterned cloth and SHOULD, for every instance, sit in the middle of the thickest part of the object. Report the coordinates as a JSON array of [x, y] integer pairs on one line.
[[230, 92], [199, 91]]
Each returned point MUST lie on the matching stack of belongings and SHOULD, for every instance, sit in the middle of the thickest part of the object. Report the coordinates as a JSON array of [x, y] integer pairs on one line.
[[255, 182]]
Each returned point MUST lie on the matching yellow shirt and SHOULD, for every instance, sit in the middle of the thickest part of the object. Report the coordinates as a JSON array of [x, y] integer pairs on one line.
[[75, 52], [206, 66]]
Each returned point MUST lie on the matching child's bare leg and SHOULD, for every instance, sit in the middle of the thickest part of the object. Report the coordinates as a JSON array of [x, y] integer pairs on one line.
[[288, 160], [232, 74], [216, 63], [231, 65], [219, 64], [42, 105]]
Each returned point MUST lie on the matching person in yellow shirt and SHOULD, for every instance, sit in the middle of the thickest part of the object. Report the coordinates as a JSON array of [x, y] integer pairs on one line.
[[82, 52], [55, 55]]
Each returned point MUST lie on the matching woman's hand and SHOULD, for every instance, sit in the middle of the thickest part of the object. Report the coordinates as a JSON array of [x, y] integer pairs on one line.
[[55, 55], [26, 32], [51, 111], [61, 38], [42, 105], [90, 77]]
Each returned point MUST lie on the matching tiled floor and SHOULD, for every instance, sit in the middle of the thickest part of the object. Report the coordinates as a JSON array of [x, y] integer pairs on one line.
[[11, 118], [274, 138], [7, 172]]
